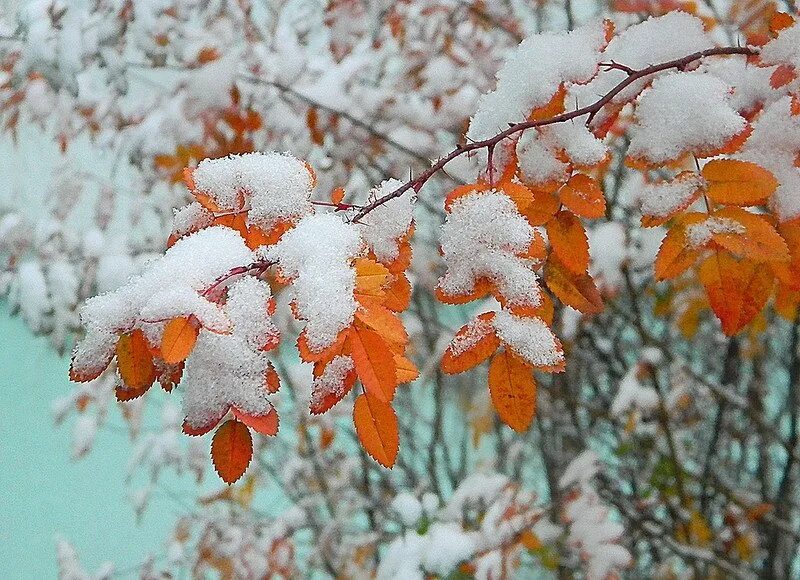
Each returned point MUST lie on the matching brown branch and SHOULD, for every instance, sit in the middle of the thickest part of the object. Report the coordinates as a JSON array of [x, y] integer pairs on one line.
[[590, 110]]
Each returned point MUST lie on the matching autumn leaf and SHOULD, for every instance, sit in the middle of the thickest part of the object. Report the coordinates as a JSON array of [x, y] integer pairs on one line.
[[398, 294], [266, 424], [406, 369], [134, 360], [759, 241], [376, 427], [583, 196], [177, 342], [737, 289], [576, 290], [472, 344], [374, 362], [735, 182], [676, 255], [329, 399], [541, 208], [231, 450], [371, 277], [513, 390], [385, 322], [568, 239]]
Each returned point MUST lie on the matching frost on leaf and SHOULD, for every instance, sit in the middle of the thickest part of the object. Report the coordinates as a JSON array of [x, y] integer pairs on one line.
[[276, 187], [572, 57], [170, 287], [775, 146], [317, 255], [485, 237], [232, 370], [531, 339], [663, 132], [387, 223], [663, 199], [657, 39]]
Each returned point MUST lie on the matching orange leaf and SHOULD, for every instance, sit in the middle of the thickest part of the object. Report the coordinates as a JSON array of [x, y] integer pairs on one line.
[[88, 372], [266, 424], [371, 277], [463, 190], [789, 272], [569, 241], [122, 394], [326, 353], [780, 20], [513, 390], [760, 241], [384, 322], [317, 136], [134, 361], [177, 342], [737, 289], [576, 290], [406, 369], [782, 76], [483, 287], [374, 362], [231, 450], [398, 294], [337, 195], [321, 404], [735, 182], [542, 207], [675, 256], [554, 107], [194, 431], [583, 196], [376, 427], [472, 344]]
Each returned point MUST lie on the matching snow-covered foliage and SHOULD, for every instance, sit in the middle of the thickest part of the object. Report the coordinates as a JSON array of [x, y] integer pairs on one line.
[[589, 156]]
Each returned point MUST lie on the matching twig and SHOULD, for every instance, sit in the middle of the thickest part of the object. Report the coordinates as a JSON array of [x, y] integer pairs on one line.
[[590, 110]]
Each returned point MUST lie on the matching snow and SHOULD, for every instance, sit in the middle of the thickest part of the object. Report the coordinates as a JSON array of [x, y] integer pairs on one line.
[[592, 531], [485, 236], [551, 59], [32, 294], [580, 470], [276, 187], [749, 84], [190, 218], [657, 39], [700, 234], [530, 338], [169, 286], [221, 371], [663, 132], [663, 198], [387, 223], [476, 330], [318, 255], [775, 145], [332, 380], [632, 394], [408, 508], [608, 248], [785, 49]]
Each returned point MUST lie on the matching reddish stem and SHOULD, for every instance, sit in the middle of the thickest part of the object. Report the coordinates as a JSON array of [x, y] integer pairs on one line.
[[590, 110]]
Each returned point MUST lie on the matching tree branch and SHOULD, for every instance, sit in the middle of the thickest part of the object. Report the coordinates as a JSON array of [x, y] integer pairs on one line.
[[590, 110]]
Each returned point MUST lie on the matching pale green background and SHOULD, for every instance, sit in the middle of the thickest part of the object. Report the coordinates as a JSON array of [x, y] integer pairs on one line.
[[42, 492]]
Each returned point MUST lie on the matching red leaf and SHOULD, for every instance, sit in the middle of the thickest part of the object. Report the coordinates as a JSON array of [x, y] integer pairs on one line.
[[231, 450]]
